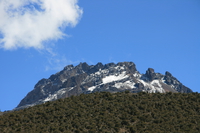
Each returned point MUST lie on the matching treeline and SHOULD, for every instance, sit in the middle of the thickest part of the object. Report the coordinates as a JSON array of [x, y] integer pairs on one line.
[[112, 113]]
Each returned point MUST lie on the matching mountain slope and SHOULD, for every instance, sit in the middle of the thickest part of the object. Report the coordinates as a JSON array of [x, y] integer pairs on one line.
[[110, 77], [105, 112]]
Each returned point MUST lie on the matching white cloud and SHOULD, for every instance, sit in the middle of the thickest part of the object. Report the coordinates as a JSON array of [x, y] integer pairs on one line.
[[29, 23]]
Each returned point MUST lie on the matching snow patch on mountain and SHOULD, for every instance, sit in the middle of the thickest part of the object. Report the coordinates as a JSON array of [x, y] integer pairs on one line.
[[42, 90], [162, 80], [128, 84], [152, 87], [56, 95], [64, 80], [137, 74], [116, 77], [109, 78], [92, 88]]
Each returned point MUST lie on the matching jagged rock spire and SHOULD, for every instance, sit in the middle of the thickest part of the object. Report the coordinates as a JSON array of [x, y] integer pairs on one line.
[[150, 74]]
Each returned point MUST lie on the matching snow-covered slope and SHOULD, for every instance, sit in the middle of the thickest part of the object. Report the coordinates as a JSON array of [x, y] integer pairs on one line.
[[95, 78]]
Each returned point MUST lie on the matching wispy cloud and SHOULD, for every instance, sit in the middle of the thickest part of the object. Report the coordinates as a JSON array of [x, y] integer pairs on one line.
[[31, 23], [56, 61]]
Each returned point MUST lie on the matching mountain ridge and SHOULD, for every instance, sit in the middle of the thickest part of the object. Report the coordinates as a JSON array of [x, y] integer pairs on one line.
[[111, 77]]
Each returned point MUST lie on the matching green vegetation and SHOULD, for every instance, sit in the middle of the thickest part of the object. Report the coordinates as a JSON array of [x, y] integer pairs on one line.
[[105, 112]]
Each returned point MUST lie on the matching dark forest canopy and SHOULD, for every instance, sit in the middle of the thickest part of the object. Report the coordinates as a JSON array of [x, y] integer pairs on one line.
[[106, 112]]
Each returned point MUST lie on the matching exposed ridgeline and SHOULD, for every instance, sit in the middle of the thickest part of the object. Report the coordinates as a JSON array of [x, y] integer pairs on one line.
[[111, 77]]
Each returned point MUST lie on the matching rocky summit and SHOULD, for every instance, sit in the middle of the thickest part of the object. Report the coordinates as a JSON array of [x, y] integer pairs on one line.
[[111, 77]]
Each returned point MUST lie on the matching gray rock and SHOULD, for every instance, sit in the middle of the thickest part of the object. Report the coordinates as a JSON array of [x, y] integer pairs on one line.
[[110, 77]]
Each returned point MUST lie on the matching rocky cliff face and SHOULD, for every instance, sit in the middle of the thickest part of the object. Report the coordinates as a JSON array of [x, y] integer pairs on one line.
[[111, 77]]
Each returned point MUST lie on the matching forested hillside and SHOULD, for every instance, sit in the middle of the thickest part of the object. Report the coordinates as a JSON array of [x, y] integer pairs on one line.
[[105, 112]]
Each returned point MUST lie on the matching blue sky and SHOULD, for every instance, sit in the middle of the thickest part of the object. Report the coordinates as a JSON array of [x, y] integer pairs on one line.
[[159, 34]]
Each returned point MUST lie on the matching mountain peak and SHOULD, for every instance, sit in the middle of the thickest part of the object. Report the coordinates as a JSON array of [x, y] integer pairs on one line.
[[110, 77], [168, 74], [150, 74], [69, 67]]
